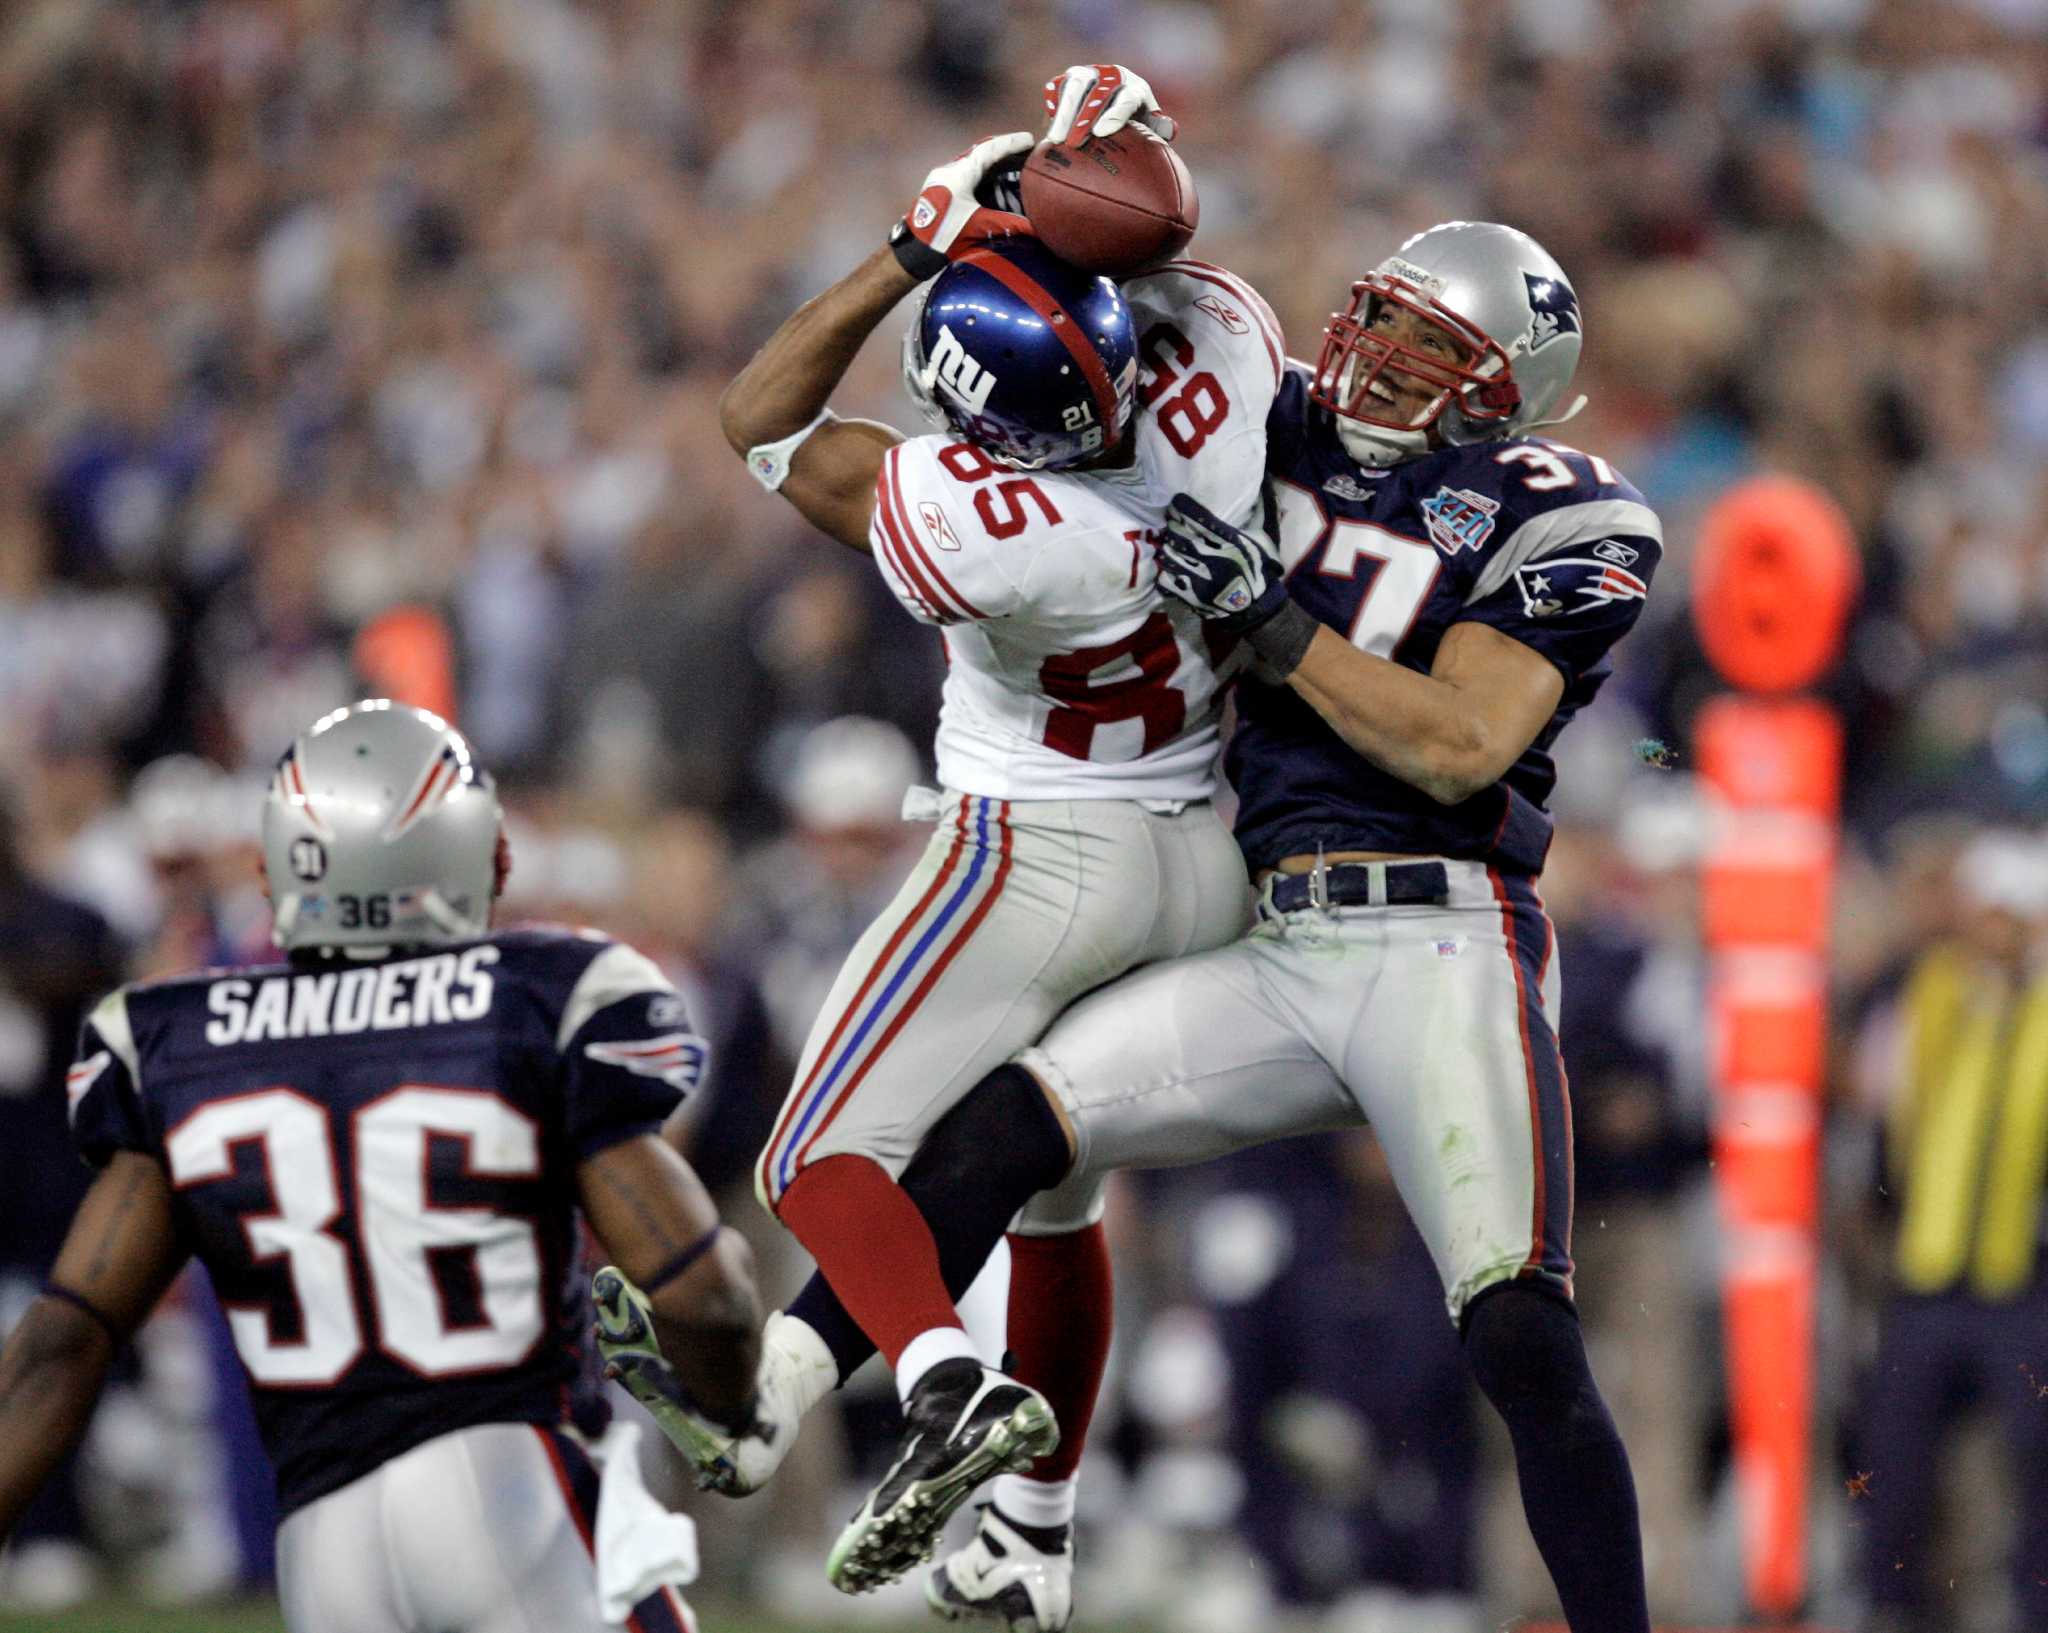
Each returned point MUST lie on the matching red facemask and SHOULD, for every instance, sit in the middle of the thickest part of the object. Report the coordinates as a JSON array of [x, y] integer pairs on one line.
[[1354, 356]]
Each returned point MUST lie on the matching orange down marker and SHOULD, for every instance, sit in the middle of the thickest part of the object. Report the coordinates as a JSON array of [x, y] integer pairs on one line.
[[1774, 580]]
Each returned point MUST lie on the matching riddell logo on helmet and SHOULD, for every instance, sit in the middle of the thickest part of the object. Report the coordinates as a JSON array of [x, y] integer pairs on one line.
[[952, 368], [1408, 272]]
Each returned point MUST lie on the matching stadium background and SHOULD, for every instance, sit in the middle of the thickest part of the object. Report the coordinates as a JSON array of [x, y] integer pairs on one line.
[[356, 345]]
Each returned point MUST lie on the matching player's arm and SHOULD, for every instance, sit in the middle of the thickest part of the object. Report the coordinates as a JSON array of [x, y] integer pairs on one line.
[[830, 472], [657, 1224], [1449, 733], [774, 414], [120, 1256]]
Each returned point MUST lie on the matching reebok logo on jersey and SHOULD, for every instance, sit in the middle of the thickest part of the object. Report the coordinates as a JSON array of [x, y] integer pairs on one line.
[[1615, 551], [950, 366], [431, 991], [1349, 487], [1575, 584], [937, 526], [1223, 313], [1458, 519], [677, 1059]]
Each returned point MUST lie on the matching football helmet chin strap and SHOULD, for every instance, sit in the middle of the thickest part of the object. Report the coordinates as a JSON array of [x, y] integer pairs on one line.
[[1378, 446]]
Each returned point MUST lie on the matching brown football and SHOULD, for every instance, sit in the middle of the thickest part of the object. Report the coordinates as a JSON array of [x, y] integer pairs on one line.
[[1115, 205]]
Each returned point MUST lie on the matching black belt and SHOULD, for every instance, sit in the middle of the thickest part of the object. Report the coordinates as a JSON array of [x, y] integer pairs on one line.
[[1363, 884]]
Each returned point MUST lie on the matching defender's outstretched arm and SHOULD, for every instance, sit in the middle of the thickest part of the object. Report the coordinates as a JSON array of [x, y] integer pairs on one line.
[[1449, 733], [656, 1221], [120, 1256]]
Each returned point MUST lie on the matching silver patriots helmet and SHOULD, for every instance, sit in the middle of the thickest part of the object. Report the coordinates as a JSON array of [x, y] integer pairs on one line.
[[1495, 289], [380, 829]]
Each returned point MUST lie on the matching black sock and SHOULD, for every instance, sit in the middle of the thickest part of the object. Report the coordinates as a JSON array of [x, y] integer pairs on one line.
[[1526, 1350], [1047, 1539], [981, 1162]]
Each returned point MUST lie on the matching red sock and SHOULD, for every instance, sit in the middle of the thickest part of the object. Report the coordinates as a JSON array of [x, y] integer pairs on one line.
[[872, 1246], [1061, 1292]]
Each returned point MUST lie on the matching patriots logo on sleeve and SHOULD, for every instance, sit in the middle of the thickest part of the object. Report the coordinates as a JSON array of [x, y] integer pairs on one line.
[[1556, 309], [677, 1059], [1575, 584], [79, 1080]]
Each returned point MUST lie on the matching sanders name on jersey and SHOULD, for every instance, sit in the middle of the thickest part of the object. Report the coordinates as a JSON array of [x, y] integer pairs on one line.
[[439, 989]]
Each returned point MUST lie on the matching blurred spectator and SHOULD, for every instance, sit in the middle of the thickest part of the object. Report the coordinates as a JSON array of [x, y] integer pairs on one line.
[[805, 898], [56, 957], [310, 312], [1351, 1410], [1959, 1068]]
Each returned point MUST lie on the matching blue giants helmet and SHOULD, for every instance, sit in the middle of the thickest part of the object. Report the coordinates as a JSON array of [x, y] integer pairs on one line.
[[1032, 360]]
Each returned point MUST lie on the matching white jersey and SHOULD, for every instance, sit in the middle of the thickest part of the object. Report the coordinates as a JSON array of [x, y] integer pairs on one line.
[[1070, 676]]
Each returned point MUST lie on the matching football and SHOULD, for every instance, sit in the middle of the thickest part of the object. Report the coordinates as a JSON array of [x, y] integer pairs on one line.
[[1115, 205]]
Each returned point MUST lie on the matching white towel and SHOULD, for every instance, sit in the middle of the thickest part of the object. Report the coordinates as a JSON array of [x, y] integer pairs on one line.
[[640, 1545]]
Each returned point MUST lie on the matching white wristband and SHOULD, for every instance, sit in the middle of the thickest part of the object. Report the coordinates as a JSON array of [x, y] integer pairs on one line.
[[769, 463]]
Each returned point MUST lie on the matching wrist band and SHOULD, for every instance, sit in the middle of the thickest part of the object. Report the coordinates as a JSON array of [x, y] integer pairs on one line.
[[79, 1301], [681, 1262], [1282, 640], [769, 463], [912, 254]]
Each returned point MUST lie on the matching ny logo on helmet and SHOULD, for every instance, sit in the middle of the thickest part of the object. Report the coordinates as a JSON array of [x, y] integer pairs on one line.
[[1556, 308], [951, 367]]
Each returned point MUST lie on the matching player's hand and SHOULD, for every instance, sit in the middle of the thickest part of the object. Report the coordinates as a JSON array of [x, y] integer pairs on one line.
[[948, 220], [1099, 99], [633, 1360], [1230, 575]]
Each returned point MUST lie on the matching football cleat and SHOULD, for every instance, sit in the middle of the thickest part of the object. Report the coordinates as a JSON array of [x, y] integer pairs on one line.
[[633, 1359], [792, 1376], [963, 1422], [1005, 1576]]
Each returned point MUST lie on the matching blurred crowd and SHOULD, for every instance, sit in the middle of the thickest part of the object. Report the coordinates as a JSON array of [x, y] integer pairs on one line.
[[372, 345]]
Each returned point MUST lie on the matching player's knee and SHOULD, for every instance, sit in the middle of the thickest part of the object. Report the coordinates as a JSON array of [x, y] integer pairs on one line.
[[1528, 1356], [1005, 1133]]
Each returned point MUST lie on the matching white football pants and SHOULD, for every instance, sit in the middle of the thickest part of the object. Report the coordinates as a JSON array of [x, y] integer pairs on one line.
[[1434, 1023], [485, 1530], [1016, 909]]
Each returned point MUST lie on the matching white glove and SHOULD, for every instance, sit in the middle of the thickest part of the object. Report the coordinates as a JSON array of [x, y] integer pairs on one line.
[[948, 220], [1099, 99]]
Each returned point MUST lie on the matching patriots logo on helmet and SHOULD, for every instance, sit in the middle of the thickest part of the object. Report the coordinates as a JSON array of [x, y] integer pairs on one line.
[[1556, 309]]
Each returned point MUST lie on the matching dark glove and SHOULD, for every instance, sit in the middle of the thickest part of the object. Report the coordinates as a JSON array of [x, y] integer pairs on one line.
[[1232, 577]]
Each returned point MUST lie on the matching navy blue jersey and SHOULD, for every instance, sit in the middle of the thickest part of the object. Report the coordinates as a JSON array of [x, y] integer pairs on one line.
[[376, 1162], [1544, 543]]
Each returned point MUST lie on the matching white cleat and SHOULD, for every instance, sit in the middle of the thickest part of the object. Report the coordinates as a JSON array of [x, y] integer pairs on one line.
[[797, 1372], [1002, 1576]]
